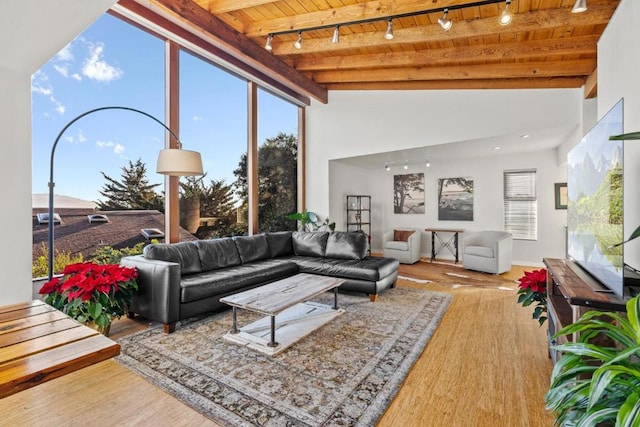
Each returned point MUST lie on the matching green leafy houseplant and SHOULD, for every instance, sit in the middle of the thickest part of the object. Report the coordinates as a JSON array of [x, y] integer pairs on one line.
[[533, 289], [309, 221], [92, 293], [599, 385]]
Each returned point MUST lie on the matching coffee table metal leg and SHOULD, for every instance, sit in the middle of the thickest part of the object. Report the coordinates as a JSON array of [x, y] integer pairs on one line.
[[335, 298], [234, 328], [273, 342]]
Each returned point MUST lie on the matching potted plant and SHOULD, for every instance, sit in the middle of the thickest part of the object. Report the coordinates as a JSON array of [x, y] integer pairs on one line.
[[532, 288], [93, 294], [594, 384], [309, 221]]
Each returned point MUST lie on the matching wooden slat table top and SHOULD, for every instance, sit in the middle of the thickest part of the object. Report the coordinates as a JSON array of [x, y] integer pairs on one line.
[[39, 343], [275, 297]]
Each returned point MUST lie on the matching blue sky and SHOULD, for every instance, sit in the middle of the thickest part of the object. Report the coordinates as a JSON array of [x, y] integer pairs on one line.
[[114, 63]]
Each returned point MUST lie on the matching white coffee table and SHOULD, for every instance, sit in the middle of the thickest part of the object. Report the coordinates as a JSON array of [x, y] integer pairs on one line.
[[288, 311]]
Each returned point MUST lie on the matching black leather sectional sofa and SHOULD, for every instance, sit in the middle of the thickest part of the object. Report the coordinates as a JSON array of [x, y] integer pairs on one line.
[[185, 279]]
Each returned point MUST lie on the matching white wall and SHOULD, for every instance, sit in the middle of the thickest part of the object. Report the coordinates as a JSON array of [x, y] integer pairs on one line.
[[32, 31], [360, 123], [487, 174], [618, 66]]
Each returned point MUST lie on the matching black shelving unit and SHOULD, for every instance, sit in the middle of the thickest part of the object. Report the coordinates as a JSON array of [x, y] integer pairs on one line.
[[359, 216]]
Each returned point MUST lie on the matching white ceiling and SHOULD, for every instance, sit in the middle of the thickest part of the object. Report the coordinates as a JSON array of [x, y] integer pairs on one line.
[[486, 147]]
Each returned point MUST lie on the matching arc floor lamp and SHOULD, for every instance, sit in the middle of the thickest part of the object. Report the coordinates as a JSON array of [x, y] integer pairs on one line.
[[171, 161]]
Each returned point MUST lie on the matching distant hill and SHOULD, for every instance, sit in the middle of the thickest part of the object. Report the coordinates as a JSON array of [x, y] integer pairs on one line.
[[42, 201]]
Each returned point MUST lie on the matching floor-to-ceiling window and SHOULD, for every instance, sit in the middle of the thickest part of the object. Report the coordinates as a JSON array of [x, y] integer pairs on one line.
[[213, 120], [277, 162]]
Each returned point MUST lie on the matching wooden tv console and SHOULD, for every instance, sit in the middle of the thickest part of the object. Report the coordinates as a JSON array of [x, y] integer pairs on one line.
[[570, 294]]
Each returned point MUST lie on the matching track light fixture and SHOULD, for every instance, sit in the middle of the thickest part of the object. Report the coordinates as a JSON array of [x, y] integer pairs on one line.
[[336, 35], [580, 6], [445, 23], [427, 163], [389, 34], [387, 167], [298, 43], [505, 18], [406, 166]]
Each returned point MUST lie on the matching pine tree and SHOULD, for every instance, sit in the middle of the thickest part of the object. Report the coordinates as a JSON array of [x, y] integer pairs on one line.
[[132, 191]]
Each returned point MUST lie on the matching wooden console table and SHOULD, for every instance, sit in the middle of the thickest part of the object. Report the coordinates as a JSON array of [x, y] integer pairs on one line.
[[570, 294], [451, 244], [39, 343]]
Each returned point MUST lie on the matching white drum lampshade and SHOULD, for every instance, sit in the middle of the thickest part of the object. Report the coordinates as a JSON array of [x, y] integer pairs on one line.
[[177, 162]]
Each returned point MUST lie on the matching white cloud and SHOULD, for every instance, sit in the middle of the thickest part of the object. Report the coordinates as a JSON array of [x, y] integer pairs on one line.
[[103, 144], [81, 137], [76, 76], [60, 109], [68, 138], [96, 68], [118, 149], [65, 54], [197, 118], [62, 69], [46, 91]]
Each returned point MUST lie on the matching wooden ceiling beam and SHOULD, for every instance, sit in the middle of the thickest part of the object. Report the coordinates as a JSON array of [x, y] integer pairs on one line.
[[591, 85], [584, 45], [224, 6], [383, 9], [531, 21], [237, 44], [581, 67], [520, 83]]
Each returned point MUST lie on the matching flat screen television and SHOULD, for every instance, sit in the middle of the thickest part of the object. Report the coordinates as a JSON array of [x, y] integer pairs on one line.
[[595, 202]]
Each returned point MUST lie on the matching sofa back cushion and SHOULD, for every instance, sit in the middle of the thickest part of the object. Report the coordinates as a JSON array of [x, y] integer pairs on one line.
[[310, 243], [346, 245], [183, 253], [280, 243], [252, 248], [218, 253]]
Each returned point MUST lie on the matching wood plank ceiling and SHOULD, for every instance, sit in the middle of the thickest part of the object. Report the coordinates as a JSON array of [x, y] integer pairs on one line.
[[545, 46]]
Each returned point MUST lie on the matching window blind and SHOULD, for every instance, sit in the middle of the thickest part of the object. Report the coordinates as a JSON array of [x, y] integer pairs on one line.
[[520, 204]]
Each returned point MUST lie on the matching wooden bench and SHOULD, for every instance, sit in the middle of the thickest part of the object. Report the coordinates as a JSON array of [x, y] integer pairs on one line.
[[39, 343]]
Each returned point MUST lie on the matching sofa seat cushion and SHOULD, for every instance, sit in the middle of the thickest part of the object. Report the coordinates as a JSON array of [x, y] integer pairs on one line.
[[219, 282], [217, 253], [398, 246], [479, 251], [369, 268], [183, 253], [346, 245]]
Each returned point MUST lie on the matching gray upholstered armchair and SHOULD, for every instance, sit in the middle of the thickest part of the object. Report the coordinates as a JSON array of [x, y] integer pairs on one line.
[[402, 244], [488, 251]]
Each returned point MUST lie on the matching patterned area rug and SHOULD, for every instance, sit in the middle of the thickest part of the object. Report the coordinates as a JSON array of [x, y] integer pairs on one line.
[[345, 373]]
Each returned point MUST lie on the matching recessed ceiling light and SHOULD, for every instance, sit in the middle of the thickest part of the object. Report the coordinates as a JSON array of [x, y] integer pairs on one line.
[[497, 147], [525, 136]]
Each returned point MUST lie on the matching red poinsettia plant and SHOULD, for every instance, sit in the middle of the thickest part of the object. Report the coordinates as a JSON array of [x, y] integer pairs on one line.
[[533, 289], [91, 292]]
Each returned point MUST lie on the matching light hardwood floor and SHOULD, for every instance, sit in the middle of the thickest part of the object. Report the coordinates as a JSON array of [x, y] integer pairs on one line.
[[486, 365]]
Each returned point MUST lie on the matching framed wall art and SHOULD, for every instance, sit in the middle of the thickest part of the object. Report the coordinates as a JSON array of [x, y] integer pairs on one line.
[[561, 195], [408, 193], [455, 199]]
